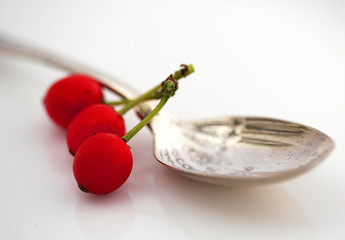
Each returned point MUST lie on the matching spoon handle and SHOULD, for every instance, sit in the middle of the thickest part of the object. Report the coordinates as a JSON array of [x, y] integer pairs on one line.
[[17, 47]]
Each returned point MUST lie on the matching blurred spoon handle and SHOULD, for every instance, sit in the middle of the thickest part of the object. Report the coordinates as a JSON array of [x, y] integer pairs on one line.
[[12, 46]]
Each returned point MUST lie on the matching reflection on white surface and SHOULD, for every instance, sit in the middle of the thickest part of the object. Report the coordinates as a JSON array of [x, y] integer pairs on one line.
[[263, 212], [105, 217]]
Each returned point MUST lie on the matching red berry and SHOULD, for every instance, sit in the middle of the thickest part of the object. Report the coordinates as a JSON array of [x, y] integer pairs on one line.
[[102, 163], [68, 96], [93, 119]]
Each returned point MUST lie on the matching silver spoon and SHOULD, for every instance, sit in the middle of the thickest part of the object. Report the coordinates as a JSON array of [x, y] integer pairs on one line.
[[231, 151]]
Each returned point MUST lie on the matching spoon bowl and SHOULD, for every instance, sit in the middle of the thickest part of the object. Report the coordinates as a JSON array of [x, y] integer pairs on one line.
[[238, 151], [230, 151]]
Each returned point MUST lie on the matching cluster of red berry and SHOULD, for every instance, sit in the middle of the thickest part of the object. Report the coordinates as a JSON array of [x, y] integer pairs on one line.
[[96, 132]]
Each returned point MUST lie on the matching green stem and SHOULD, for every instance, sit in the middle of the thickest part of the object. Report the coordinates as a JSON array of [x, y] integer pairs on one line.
[[121, 102], [154, 92], [146, 120], [184, 71], [164, 91], [137, 100]]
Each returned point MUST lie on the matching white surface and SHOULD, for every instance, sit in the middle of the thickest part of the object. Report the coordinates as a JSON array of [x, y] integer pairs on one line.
[[282, 59]]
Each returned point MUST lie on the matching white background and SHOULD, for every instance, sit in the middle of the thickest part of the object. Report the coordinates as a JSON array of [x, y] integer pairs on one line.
[[282, 59]]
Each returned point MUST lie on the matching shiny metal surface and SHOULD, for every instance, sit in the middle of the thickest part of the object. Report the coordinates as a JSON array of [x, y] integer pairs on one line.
[[231, 151], [238, 151]]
